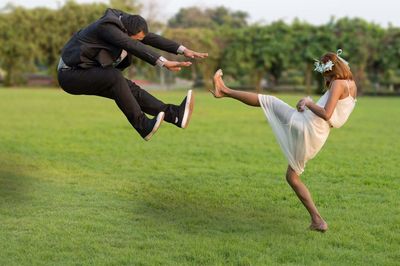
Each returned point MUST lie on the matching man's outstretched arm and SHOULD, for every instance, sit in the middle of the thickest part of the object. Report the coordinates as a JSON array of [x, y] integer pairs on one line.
[[113, 35], [170, 46]]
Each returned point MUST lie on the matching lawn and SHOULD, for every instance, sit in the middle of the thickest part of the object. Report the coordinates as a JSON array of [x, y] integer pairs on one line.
[[78, 186]]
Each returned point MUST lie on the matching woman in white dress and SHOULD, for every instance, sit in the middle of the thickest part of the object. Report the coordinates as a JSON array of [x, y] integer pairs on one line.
[[302, 132]]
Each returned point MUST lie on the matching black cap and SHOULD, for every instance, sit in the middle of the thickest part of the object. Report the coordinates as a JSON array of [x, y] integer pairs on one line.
[[134, 24]]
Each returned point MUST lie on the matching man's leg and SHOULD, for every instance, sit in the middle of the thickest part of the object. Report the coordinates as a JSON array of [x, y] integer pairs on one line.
[[151, 105], [109, 83]]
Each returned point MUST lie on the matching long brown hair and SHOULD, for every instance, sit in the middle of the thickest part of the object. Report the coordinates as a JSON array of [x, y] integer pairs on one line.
[[340, 70]]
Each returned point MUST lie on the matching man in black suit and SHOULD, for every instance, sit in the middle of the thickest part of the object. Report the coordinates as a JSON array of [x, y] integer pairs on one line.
[[92, 60]]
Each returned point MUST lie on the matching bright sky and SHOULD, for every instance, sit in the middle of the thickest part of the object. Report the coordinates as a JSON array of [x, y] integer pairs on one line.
[[313, 11]]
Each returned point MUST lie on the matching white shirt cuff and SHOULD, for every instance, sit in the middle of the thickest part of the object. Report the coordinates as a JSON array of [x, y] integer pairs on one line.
[[161, 61], [181, 49]]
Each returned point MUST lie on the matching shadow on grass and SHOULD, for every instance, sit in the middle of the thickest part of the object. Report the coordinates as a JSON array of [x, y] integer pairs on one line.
[[204, 213], [14, 185]]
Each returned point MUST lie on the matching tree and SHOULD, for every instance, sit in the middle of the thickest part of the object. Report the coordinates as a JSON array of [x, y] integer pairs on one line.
[[258, 50], [387, 62], [309, 43], [246, 54], [221, 16], [280, 48], [191, 17], [211, 41], [194, 17], [129, 6], [17, 49], [360, 41], [32, 38], [151, 12]]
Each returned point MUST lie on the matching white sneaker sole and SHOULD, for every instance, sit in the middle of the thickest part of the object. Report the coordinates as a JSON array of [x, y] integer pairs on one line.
[[160, 119], [188, 109]]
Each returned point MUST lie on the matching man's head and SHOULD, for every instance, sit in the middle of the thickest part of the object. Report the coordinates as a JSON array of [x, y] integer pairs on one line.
[[136, 26]]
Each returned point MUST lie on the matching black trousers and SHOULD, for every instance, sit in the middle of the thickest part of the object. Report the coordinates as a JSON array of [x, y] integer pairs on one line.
[[110, 83]]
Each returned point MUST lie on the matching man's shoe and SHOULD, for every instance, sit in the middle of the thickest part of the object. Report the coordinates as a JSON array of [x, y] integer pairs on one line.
[[185, 110], [153, 126]]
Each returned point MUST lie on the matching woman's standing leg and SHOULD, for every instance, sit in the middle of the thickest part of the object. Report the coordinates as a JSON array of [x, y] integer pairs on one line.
[[220, 90], [317, 223]]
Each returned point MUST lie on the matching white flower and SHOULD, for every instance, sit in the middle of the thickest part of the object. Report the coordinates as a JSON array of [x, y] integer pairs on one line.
[[321, 67], [328, 66]]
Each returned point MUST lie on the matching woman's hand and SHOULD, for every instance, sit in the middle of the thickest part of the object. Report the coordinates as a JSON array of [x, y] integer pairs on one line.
[[192, 54], [300, 106], [175, 65], [303, 103]]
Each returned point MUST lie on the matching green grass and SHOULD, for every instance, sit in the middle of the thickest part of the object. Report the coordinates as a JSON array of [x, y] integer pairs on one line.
[[78, 186]]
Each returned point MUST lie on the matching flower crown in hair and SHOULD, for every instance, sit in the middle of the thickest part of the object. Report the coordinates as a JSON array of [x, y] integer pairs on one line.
[[323, 67]]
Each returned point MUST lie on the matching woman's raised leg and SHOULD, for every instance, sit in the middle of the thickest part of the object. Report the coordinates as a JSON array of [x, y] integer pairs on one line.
[[221, 90]]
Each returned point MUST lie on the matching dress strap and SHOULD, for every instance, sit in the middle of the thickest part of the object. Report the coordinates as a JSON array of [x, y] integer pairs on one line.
[[348, 87]]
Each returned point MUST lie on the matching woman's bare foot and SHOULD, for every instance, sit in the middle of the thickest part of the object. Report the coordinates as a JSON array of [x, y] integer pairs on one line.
[[219, 85], [320, 226]]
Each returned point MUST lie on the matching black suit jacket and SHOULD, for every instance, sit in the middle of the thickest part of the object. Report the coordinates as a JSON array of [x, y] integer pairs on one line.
[[101, 43]]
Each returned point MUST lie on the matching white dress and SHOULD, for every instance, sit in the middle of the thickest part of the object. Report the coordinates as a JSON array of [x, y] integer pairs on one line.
[[301, 135]]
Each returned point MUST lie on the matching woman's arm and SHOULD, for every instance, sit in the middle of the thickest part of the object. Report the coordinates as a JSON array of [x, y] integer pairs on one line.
[[326, 112]]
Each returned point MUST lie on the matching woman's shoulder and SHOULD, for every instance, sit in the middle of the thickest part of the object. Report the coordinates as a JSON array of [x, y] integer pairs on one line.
[[341, 82], [344, 83], [338, 85], [345, 87]]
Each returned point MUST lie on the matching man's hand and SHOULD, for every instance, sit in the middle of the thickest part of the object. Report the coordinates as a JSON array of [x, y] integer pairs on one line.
[[192, 54], [175, 65]]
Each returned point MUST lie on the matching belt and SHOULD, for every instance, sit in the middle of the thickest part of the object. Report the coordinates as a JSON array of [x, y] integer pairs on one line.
[[62, 66]]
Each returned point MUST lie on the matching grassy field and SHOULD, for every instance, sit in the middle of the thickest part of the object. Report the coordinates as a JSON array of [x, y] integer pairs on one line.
[[78, 186]]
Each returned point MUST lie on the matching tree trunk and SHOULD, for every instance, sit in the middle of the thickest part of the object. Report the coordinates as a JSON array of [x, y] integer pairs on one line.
[[8, 79], [257, 79], [360, 79], [208, 73], [308, 78]]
